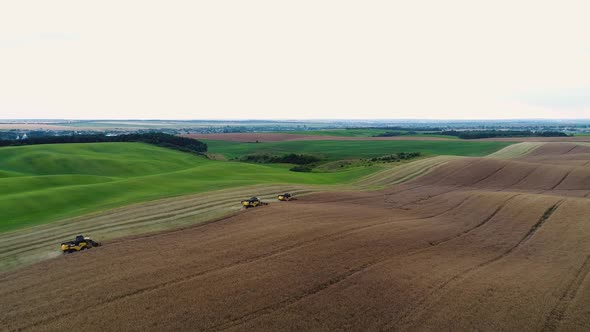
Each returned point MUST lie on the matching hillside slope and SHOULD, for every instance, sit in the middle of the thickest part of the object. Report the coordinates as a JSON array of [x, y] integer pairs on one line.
[[45, 183]]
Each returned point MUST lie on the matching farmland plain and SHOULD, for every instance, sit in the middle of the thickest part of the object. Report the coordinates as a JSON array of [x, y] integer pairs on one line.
[[473, 243], [334, 150]]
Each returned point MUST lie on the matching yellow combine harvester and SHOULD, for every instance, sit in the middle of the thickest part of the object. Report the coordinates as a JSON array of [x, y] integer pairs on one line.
[[80, 243], [252, 202], [285, 197]]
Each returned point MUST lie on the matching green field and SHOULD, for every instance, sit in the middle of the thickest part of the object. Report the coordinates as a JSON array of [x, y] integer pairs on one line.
[[362, 133], [335, 150], [42, 183]]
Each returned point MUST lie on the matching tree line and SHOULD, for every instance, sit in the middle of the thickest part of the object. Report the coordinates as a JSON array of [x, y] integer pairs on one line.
[[291, 158], [397, 157], [159, 139]]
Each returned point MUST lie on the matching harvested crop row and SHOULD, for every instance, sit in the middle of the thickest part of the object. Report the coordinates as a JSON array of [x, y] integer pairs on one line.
[[515, 150], [399, 269]]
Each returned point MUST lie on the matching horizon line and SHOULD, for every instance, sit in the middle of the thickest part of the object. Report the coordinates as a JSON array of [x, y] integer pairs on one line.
[[16, 120]]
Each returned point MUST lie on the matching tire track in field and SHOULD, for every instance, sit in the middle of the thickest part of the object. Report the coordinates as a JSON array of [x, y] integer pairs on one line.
[[517, 182], [388, 196], [336, 280], [455, 188], [483, 222], [424, 199], [523, 178], [249, 260], [290, 301], [562, 179], [389, 200], [460, 169], [459, 188], [570, 150], [421, 306], [558, 313], [490, 175]]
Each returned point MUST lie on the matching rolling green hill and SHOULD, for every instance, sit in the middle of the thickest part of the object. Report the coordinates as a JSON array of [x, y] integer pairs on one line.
[[41, 183]]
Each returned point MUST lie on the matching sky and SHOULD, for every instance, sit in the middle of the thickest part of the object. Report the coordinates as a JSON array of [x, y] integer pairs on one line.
[[300, 59]]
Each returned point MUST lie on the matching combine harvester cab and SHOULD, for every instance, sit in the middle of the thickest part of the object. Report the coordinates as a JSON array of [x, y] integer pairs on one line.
[[285, 197], [252, 202], [79, 244]]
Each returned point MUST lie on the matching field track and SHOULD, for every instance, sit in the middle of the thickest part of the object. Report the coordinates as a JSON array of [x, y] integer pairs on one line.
[[495, 243]]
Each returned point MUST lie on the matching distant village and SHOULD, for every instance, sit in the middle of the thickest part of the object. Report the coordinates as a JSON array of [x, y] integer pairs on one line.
[[113, 128]]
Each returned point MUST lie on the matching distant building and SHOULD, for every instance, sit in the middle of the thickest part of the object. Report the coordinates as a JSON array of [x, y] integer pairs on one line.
[[17, 137], [24, 136]]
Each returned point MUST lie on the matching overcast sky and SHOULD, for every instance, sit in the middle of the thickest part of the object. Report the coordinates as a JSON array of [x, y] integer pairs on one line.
[[294, 59]]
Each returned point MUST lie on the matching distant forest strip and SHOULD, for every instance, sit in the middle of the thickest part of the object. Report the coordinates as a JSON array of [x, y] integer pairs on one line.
[[394, 134], [399, 128], [292, 158], [184, 144], [397, 157], [475, 134]]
